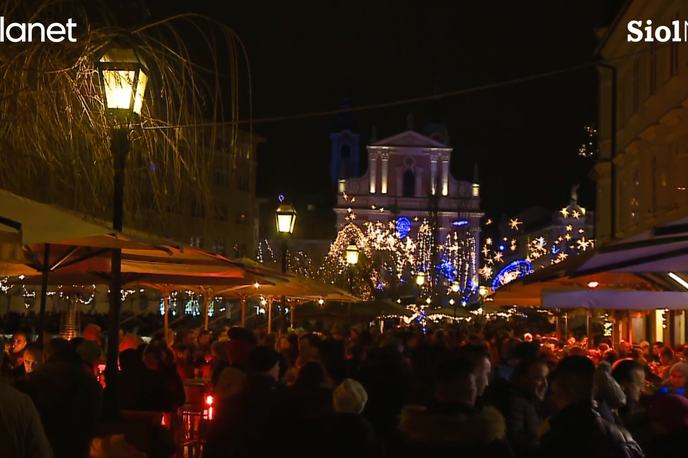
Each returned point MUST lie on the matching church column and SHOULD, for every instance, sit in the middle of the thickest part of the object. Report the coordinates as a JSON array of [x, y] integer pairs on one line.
[[372, 170], [445, 175], [433, 173], [385, 166]]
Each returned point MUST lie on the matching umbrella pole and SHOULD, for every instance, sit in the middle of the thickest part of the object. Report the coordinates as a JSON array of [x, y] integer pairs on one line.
[[44, 295], [243, 311], [166, 316], [207, 310], [291, 315], [269, 314]]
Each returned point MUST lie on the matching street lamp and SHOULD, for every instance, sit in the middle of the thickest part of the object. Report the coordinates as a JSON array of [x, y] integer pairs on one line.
[[123, 78], [285, 219], [455, 287], [352, 254], [420, 279], [352, 260], [482, 291]]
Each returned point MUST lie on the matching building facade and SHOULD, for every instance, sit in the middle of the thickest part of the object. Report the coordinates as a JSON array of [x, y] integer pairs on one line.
[[230, 228], [408, 181], [544, 237], [642, 170]]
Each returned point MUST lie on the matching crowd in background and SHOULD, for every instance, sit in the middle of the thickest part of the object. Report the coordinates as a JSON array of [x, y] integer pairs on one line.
[[452, 389]]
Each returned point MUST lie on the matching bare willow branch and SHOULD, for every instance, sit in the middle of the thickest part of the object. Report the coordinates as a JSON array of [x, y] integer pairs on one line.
[[54, 136]]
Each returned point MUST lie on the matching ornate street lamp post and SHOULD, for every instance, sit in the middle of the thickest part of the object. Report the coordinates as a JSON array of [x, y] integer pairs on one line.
[[455, 289], [123, 79], [352, 260], [285, 219]]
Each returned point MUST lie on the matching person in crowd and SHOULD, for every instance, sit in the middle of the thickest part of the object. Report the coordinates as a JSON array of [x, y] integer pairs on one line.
[[350, 433], [140, 387], [386, 376], [21, 432], [33, 357], [67, 398], [667, 359], [153, 359], [308, 349], [90, 353], [92, 333], [181, 358], [573, 389], [252, 422], [479, 357], [517, 351], [669, 425], [519, 400], [19, 342], [608, 395], [451, 426]]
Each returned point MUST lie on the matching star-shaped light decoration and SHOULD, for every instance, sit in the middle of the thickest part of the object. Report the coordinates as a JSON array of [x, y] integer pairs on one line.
[[540, 241], [581, 231], [583, 244], [514, 223], [569, 228], [499, 256], [486, 251], [488, 241], [486, 272], [489, 221], [560, 238], [561, 256], [576, 214], [564, 212], [568, 237], [353, 199]]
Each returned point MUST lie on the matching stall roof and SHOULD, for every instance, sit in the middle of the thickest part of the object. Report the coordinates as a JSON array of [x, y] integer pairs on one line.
[[615, 300]]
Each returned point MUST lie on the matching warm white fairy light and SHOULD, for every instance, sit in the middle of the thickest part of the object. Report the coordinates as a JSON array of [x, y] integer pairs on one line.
[[514, 224], [564, 212]]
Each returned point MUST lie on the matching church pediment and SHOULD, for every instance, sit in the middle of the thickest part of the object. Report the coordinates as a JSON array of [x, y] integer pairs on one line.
[[410, 138]]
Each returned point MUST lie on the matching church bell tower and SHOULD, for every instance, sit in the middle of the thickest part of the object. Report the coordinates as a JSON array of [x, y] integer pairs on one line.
[[344, 163]]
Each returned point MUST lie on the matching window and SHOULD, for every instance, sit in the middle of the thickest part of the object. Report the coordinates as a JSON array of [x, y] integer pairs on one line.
[[221, 178], [197, 210], [221, 213], [345, 153], [242, 217], [673, 55], [654, 185], [653, 68], [635, 87], [242, 183], [409, 183]]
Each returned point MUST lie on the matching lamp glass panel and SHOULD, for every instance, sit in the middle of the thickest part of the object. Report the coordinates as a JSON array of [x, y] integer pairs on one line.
[[119, 85], [284, 223], [140, 92]]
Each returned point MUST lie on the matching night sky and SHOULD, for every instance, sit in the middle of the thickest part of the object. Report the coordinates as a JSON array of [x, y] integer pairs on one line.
[[306, 55]]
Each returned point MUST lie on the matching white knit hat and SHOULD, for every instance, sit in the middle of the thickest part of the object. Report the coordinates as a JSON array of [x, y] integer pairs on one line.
[[350, 397]]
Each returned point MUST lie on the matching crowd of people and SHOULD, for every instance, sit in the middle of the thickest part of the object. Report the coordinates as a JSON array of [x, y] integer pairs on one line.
[[359, 392]]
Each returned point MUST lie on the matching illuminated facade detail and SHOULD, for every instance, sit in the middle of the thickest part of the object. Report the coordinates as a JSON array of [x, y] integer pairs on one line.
[[372, 171], [512, 271], [433, 173], [445, 176], [411, 160], [385, 171]]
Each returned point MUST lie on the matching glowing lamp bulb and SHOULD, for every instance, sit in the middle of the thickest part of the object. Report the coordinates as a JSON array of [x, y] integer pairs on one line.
[[593, 284], [321, 301], [420, 279], [455, 287], [209, 400], [428, 300], [256, 285]]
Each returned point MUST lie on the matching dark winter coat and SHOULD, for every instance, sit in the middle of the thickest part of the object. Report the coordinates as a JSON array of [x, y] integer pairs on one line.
[[68, 400], [579, 431], [452, 430]]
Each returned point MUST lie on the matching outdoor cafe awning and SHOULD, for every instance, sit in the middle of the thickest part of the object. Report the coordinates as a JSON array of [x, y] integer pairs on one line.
[[615, 300]]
